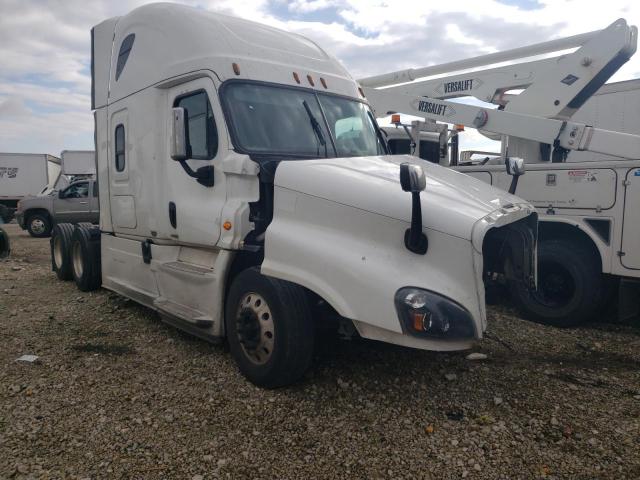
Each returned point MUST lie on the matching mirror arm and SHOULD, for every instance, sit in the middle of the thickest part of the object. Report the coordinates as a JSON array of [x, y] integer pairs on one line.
[[414, 238], [204, 175], [514, 184]]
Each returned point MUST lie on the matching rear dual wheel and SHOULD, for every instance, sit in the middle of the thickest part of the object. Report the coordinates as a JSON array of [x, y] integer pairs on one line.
[[85, 258], [75, 254], [61, 250]]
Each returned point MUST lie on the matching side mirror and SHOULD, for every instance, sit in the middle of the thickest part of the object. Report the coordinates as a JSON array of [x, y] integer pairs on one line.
[[61, 194], [412, 178], [515, 166], [178, 134]]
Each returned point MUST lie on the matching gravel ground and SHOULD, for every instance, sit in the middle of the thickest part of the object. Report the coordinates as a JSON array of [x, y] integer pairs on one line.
[[117, 394]]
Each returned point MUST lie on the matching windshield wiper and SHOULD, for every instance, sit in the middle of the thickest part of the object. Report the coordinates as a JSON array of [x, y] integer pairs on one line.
[[316, 127]]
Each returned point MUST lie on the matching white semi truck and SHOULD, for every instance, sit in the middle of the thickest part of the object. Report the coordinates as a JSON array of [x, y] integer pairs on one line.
[[24, 174], [246, 192], [582, 157]]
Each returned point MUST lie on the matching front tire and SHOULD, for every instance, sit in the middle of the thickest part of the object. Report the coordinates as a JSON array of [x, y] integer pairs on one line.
[[39, 225], [269, 329], [570, 286]]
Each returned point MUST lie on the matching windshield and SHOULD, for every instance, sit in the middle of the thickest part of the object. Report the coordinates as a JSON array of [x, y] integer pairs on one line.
[[275, 120]]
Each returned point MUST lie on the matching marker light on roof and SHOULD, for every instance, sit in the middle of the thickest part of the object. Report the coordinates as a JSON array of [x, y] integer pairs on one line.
[[310, 78], [236, 68], [323, 82], [296, 77]]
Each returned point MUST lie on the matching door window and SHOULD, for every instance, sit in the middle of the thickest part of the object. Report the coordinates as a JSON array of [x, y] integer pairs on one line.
[[119, 150], [202, 137], [77, 190]]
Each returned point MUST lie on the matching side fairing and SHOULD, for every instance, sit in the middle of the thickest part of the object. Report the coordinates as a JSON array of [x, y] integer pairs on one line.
[[102, 155]]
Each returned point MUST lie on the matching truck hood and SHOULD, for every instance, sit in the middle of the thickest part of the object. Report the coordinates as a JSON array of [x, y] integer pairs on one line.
[[452, 203]]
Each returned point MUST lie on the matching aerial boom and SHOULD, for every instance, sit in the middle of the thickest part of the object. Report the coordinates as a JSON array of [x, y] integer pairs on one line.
[[565, 134], [552, 87]]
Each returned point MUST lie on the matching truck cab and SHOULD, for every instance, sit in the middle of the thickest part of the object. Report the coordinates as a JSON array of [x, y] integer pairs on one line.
[[246, 193]]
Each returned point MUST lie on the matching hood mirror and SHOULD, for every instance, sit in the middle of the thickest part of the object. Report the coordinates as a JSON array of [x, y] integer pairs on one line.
[[178, 134], [413, 179], [515, 168]]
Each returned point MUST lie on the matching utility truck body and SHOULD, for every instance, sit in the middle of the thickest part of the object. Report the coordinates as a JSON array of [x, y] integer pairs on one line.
[[246, 192], [589, 202]]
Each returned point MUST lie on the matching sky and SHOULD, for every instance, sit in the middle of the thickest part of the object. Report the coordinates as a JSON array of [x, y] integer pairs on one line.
[[45, 76]]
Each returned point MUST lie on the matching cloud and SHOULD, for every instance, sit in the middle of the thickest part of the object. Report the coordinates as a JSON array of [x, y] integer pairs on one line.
[[45, 46]]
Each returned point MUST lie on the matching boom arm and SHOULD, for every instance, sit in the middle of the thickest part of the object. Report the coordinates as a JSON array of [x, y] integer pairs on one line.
[[565, 134], [553, 87]]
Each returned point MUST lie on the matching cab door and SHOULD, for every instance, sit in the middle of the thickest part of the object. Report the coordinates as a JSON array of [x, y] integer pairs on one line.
[[192, 209], [72, 204], [122, 154]]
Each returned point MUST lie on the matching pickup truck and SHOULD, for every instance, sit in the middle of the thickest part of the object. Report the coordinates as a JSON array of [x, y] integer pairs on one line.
[[78, 202]]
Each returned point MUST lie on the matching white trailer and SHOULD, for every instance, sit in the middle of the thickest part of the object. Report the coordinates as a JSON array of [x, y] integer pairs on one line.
[[246, 192], [78, 162], [582, 162], [24, 174]]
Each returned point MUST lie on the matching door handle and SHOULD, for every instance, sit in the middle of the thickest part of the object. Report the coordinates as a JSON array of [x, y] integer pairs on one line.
[[84, 203]]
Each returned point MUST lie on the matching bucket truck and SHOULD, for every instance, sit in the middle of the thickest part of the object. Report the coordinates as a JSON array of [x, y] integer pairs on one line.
[[589, 223]]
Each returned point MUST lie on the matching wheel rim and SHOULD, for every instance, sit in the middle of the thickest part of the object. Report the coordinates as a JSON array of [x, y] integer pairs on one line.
[[76, 257], [57, 251], [556, 285], [255, 329], [37, 226]]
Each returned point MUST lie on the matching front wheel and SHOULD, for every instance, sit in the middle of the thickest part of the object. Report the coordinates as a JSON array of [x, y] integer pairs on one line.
[[570, 286], [39, 225], [269, 329]]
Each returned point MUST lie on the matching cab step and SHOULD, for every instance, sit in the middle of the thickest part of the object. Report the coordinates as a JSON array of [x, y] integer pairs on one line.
[[182, 312]]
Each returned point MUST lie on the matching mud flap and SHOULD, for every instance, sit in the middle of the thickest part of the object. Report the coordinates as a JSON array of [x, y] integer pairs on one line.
[[521, 242], [628, 301]]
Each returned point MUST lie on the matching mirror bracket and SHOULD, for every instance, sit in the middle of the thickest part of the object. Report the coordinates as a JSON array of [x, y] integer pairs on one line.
[[203, 175]]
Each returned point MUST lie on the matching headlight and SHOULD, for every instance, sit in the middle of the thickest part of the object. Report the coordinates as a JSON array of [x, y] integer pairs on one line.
[[426, 314]]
